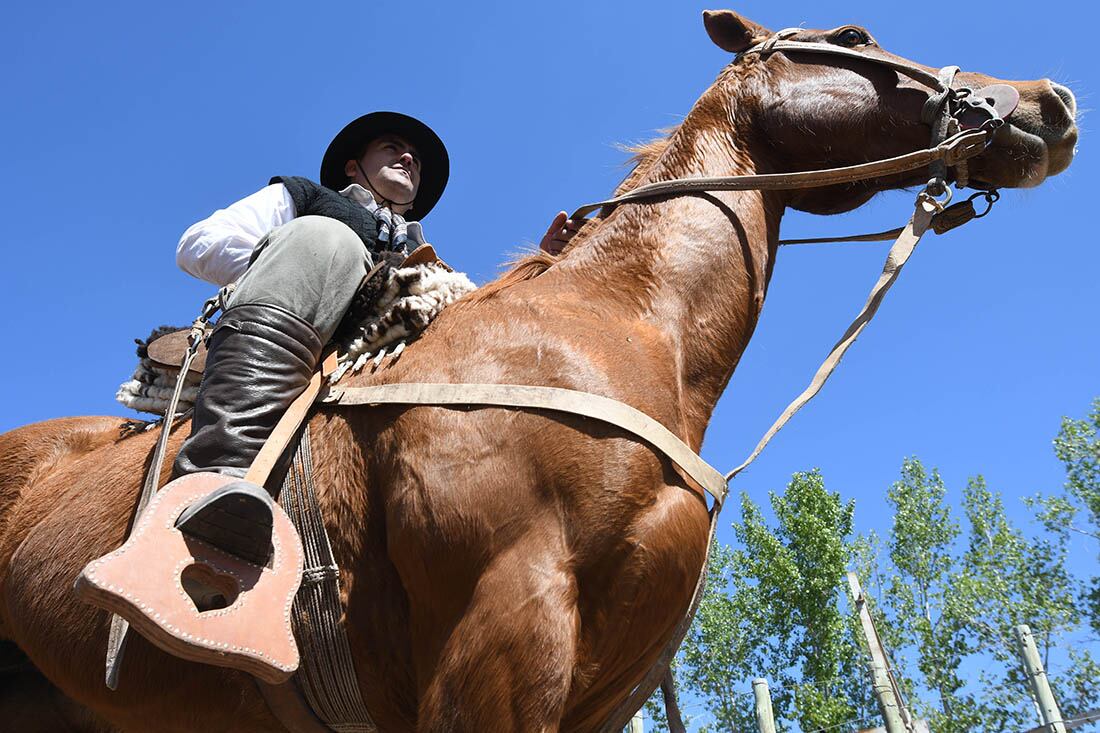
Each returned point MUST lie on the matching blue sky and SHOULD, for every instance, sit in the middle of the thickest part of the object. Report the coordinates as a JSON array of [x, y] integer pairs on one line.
[[126, 122]]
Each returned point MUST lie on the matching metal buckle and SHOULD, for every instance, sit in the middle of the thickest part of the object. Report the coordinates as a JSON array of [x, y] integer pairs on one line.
[[991, 197], [936, 187]]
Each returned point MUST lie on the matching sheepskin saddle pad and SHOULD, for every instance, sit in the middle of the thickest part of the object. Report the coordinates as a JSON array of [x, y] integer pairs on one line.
[[394, 305]]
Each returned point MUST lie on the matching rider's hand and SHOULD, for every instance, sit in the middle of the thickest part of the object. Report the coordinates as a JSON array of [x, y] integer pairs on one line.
[[560, 232]]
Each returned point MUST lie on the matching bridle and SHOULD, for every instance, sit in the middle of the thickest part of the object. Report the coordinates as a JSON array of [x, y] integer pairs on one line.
[[962, 122], [948, 110]]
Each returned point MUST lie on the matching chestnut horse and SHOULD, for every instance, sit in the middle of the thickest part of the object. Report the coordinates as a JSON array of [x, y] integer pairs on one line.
[[509, 570]]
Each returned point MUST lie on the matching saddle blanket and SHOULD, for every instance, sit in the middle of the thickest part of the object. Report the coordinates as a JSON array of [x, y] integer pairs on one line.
[[402, 302]]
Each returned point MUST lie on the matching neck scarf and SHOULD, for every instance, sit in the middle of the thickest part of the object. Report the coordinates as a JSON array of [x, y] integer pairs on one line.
[[393, 231]]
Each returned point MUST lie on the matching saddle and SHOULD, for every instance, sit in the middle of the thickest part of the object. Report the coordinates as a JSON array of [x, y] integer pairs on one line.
[[166, 352]]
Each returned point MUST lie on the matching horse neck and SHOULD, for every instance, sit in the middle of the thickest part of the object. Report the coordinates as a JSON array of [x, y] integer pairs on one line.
[[692, 268]]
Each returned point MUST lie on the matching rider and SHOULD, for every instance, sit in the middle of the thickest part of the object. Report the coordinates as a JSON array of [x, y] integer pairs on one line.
[[297, 252]]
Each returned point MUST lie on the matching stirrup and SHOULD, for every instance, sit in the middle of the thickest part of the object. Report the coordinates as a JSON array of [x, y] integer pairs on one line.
[[196, 601]]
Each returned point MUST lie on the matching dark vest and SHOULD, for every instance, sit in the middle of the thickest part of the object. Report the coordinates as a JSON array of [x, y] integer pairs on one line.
[[313, 199]]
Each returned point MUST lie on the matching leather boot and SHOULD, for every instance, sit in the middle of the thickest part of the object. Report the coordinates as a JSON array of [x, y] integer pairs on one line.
[[260, 358]]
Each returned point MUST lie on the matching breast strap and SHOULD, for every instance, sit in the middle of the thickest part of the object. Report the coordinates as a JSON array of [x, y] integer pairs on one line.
[[700, 475]]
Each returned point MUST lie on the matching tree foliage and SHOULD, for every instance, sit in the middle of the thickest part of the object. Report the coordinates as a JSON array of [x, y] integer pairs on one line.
[[1076, 509], [946, 586], [952, 606], [770, 611]]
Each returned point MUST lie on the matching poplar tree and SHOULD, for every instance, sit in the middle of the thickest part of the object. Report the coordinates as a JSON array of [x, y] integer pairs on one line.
[[770, 610], [945, 589], [1074, 513]]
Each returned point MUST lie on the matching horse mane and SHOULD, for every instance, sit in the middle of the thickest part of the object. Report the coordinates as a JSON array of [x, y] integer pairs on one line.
[[522, 268], [529, 266]]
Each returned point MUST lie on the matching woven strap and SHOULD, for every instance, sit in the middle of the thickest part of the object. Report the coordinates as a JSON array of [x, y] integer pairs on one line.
[[326, 672]]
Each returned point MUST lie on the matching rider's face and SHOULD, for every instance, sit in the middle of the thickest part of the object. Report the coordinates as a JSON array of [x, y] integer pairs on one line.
[[390, 167]]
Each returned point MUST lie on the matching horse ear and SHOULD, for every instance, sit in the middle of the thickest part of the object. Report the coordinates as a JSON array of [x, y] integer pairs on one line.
[[730, 32]]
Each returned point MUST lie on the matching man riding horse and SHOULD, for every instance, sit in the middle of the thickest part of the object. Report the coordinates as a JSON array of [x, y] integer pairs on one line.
[[291, 258]]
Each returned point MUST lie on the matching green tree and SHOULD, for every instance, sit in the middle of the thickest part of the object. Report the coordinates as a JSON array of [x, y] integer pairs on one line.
[[945, 593], [1015, 579], [920, 599], [950, 607], [1076, 510], [770, 610]]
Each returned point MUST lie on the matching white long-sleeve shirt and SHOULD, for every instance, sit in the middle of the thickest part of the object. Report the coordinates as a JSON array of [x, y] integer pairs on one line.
[[218, 248]]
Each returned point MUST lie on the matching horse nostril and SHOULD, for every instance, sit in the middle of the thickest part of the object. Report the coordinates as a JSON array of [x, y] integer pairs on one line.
[[1067, 98]]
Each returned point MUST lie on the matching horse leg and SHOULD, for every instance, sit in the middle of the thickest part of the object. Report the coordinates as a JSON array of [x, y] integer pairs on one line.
[[508, 663], [30, 704]]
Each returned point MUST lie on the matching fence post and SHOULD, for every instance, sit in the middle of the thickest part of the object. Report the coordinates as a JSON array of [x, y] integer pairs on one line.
[[765, 721], [1049, 714], [889, 702]]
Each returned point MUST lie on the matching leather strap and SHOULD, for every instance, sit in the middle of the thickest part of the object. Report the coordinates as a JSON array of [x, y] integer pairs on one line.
[[951, 152], [288, 424], [913, 72], [872, 237], [701, 476], [116, 637], [898, 255]]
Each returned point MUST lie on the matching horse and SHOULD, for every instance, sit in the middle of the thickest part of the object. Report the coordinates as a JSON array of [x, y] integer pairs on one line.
[[510, 570]]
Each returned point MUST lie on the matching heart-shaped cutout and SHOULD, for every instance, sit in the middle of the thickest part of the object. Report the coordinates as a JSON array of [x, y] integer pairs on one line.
[[209, 589]]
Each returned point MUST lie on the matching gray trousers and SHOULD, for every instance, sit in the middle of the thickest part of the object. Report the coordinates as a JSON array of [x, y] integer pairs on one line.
[[311, 266]]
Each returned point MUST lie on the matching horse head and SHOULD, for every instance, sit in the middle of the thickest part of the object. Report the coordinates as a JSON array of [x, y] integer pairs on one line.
[[805, 110]]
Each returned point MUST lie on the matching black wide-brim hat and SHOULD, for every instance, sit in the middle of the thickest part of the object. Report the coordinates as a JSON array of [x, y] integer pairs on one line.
[[435, 165]]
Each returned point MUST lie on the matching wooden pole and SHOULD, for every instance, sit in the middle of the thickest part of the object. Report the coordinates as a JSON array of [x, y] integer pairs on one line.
[[765, 721], [1049, 714], [889, 702]]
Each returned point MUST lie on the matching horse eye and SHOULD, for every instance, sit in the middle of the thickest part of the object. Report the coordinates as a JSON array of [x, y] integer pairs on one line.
[[851, 37]]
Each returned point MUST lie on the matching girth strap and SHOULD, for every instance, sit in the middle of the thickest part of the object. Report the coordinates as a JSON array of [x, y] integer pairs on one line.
[[326, 673]]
